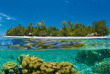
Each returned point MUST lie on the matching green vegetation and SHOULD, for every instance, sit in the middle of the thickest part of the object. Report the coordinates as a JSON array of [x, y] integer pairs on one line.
[[99, 28]]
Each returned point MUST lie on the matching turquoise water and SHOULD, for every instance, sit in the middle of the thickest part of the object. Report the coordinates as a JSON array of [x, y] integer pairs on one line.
[[47, 56], [82, 58]]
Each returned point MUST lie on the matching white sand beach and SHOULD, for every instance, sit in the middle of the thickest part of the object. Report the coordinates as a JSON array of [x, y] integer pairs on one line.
[[50, 37]]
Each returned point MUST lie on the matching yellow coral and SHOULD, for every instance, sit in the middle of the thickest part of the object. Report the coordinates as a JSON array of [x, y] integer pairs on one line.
[[35, 65]]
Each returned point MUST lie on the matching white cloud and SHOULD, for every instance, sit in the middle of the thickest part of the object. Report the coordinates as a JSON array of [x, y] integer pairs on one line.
[[8, 18], [2, 15], [67, 2]]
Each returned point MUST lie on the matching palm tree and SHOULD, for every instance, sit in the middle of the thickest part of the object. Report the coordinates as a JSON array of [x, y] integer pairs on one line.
[[64, 22], [71, 27], [70, 24], [38, 26], [30, 29], [64, 27]]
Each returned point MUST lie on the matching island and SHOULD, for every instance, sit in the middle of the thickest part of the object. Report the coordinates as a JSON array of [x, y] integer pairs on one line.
[[99, 28]]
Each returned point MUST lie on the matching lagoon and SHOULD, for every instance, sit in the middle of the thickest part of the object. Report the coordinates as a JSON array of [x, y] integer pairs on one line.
[[87, 58]]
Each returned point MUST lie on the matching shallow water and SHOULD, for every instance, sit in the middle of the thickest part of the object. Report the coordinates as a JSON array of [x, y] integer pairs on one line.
[[91, 49], [10, 43]]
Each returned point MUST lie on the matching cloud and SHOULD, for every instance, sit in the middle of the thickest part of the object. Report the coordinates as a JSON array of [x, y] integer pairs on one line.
[[8, 18], [2, 15], [5, 18], [67, 2]]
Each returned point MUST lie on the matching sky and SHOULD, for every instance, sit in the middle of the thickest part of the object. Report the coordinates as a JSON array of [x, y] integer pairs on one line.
[[53, 12]]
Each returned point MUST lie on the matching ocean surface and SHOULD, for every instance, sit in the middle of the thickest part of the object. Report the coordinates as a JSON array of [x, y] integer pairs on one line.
[[87, 57]]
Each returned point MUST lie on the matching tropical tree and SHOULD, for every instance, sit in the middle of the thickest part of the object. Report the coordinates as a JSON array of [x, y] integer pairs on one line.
[[43, 31], [64, 28], [71, 25], [70, 29], [38, 26], [29, 29], [79, 29], [78, 25], [52, 31], [101, 28], [90, 29]]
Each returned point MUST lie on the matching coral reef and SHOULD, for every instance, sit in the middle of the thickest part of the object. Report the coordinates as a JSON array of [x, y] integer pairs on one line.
[[47, 44], [58, 68], [10, 68], [105, 52], [34, 65], [21, 57], [102, 67], [79, 44], [73, 45], [90, 57], [30, 64]]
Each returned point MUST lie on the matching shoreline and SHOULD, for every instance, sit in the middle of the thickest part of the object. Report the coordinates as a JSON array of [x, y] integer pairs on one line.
[[50, 37]]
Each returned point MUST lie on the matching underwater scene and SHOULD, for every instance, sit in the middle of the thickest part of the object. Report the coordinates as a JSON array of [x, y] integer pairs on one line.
[[54, 56]]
